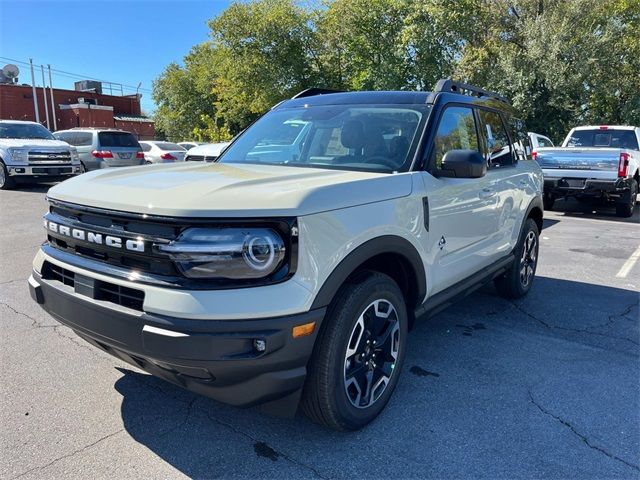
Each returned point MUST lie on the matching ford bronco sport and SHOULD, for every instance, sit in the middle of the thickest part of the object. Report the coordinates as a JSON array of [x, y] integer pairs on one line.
[[290, 273]]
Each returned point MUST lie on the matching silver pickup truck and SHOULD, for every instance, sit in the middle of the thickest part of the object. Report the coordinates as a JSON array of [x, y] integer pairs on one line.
[[601, 162]]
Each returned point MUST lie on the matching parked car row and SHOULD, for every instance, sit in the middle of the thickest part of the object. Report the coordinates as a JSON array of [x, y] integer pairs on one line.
[[30, 152]]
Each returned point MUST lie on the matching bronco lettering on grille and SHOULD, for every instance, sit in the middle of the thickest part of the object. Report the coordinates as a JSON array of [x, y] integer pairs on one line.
[[137, 245]]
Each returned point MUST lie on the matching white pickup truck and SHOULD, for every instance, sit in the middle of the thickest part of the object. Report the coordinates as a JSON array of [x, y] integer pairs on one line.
[[594, 162], [30, 152]]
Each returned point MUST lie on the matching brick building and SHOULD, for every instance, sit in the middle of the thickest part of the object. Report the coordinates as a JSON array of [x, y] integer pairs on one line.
[[74, 108]]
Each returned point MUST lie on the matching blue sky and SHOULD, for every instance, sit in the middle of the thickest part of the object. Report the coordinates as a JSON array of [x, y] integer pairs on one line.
[[121, 41]]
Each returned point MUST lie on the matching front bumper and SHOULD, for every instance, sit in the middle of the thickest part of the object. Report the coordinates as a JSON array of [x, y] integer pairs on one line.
[[43, 170], [216, 358], [566, 186]]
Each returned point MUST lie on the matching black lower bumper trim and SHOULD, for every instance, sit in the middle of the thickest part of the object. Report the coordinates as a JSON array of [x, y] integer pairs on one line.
[[560, 187], [216, 358]]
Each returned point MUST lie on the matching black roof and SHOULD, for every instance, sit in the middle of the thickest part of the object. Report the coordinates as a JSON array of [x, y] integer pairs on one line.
[[356, 98], [393, 98]]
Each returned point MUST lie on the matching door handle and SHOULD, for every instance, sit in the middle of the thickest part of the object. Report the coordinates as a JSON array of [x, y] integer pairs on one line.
[[487, 192]]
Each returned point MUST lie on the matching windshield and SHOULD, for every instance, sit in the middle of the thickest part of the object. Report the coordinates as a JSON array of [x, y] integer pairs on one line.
[[25, 130], [348, 137], [604, 138]]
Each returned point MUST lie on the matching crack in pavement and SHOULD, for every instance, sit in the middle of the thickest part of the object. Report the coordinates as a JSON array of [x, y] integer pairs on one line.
[[68, 455], [57, 329], [14, 281], [587, 331], [581, 436], [233, 428]]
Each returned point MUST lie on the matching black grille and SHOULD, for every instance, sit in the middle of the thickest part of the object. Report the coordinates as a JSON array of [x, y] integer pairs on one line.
[[108, 292]]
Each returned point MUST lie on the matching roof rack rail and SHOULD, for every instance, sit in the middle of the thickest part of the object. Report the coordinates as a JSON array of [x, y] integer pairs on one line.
[[451, 86], [311, 92]]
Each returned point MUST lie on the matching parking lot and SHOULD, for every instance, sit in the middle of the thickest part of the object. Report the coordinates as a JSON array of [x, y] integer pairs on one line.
[[547, 386]]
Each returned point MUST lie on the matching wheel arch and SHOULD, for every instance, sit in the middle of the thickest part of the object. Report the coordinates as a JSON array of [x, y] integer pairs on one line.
[[535, 211], [388, 254]]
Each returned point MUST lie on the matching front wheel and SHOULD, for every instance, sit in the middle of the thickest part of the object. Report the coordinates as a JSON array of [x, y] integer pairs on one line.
[[517, 281], [359, 354], [6, 182]]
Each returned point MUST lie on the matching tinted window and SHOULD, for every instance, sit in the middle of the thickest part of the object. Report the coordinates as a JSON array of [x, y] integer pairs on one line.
[[168, 146], [357, 137], [117, 139], [609, 138], [145, 147], [521, 140], [66, 137], [544, 142], [456, 131], [25, 130], [495, 141]]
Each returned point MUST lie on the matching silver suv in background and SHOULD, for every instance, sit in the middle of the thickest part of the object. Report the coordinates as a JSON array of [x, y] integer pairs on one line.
[[162, 152], [102, 148]]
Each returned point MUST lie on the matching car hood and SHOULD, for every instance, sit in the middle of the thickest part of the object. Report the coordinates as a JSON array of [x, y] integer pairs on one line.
[[225, 190], [31, 143]]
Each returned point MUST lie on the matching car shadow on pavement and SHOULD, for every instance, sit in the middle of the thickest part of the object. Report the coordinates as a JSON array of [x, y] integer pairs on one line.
[[570, 207], [468, 383]]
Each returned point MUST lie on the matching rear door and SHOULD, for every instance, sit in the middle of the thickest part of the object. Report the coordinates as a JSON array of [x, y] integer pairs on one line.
[[122, 145], [508, 182], [462, 211]]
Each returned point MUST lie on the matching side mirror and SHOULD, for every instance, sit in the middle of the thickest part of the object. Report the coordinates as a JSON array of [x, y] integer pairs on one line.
[[463, 164]]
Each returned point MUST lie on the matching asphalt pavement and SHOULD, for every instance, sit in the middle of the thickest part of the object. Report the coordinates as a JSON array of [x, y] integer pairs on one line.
[[543, 387]]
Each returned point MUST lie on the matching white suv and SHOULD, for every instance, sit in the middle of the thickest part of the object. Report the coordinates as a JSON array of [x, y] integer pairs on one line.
[[279, 280]]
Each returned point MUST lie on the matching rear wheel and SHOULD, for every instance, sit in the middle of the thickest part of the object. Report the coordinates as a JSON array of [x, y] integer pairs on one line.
[[517, 281], [359, 354], [6, 182], [548, 201], [625, 209]]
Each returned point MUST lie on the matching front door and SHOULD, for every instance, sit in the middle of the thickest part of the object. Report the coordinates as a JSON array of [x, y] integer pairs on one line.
[[463, 212]]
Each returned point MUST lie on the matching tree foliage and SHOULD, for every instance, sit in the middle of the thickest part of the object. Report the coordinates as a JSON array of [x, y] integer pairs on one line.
[[561, 63]]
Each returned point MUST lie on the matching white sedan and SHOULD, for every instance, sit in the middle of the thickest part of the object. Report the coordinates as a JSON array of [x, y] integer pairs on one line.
[[162, 152]]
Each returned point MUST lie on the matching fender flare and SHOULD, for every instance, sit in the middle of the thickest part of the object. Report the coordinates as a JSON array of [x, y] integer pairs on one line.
[[536, 202], [366, 251]]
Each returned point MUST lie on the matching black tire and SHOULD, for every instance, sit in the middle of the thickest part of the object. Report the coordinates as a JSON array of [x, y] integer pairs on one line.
[[83, 169], [330, 395], [548, 201], [6, 182], [514, 283], [625, 209]]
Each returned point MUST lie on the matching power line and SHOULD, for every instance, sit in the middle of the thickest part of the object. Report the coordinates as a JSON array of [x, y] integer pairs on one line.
[[77, 76]]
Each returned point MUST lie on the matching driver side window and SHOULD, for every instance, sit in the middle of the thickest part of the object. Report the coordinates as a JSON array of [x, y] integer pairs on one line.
[[456, 131]]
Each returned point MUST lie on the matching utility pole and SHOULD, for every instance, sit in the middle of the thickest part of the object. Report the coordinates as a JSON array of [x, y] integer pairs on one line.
[[53, 104], [44, 97], [33, 89]]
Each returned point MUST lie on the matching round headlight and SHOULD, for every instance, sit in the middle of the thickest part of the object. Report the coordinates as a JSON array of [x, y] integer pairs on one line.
[[227, 253]]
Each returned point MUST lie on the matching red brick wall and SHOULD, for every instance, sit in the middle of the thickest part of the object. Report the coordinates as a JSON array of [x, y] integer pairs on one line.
[[16, 103], [85, 117], [142, 130]]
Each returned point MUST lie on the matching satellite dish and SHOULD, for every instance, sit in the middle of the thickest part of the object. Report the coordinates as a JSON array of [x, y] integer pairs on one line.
[[11, 71]]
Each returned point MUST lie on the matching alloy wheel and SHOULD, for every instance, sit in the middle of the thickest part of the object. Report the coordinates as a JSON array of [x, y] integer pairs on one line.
[[372, 353], [3, 176], [529, 259]]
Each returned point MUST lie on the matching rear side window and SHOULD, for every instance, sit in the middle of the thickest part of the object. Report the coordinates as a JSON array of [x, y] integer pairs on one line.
[[145, 147], [456, 131], [604, 138], [495, 141], [117, 139], [168, 146], [521, 141]]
